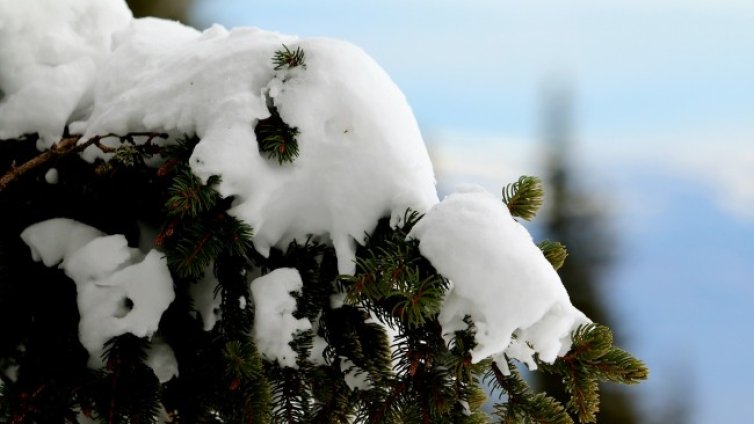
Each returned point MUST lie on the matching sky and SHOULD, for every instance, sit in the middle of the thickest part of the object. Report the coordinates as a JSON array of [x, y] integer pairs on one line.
[[663, 100]]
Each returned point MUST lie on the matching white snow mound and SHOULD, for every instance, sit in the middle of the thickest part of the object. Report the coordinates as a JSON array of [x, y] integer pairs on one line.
[[499, 278], [50, 51], [361, 153], [89, 64], [118, 289], [274, 323]]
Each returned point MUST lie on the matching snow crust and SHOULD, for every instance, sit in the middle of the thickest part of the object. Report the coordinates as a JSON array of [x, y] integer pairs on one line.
[[274, 323], [499, 278], [119, 289]]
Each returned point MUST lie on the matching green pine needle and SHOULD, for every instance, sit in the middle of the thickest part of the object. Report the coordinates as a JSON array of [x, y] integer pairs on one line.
[[592, 359], [585, 398], [554, 252], [189, 197], [522, 405], [129, 155], [276, 138], [286, 58], [524, 197]]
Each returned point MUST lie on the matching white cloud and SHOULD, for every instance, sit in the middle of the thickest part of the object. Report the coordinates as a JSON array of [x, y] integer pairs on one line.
[[722, 164], [488, 160], [725, 171], [719, 161]]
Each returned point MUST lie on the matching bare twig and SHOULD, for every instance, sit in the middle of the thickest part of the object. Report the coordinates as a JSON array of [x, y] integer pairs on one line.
[[67, 146]]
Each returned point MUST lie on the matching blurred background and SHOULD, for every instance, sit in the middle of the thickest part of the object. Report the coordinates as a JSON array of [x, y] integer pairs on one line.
[[639, 114]]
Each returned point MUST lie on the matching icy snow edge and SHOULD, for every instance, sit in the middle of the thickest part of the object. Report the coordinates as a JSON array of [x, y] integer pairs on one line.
[[499, 278]]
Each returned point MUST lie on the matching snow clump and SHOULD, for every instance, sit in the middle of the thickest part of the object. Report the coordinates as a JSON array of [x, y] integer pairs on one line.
[[499, 278], [94, 67], [274, 323], [50, 51], [219, 84], [119, 289]]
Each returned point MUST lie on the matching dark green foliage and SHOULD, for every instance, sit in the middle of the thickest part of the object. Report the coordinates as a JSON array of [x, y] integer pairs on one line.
[[198, 229], [524, 197], [246, 387], [386, 358], [189, 197], [39, 316], [127, 390], [287, 58], [554, 252], [430, 381], [394, 280], [593, 358], [522, 405], [276, 139]]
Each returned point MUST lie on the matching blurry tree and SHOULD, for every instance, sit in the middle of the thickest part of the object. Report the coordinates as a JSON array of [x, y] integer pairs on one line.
[[577, 220], [169, 9]]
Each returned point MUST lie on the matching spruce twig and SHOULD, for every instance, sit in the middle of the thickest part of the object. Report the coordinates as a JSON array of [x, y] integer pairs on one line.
[[288, 58], [524, 197], [523, 406], [67, 146], [276, 138], [554, 252]]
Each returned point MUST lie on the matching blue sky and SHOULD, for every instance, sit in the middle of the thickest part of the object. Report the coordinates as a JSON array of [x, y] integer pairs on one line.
[[663, 94]]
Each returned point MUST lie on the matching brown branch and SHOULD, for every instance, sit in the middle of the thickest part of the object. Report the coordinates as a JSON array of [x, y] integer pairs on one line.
[[62, 147], [67, 146]]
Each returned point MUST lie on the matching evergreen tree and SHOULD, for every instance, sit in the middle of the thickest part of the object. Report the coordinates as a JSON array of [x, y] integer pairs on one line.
[[578, 222], [369, 345]]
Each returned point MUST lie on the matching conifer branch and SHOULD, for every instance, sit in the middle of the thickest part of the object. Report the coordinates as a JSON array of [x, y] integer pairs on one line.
[[593, 358], [523, 406], [287, 58], [554, 252], [276, 138], [524, 197], [67, 146], [129, 390]]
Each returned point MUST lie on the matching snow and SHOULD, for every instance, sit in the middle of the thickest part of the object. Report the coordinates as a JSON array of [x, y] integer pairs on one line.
[[89, 65], [218, 84], [361, 153], [119, 289], [274, 323], [355, 377], [54, 240], [499, 278], [50, 51], [51, 176], [161, 358], [317, 352]]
